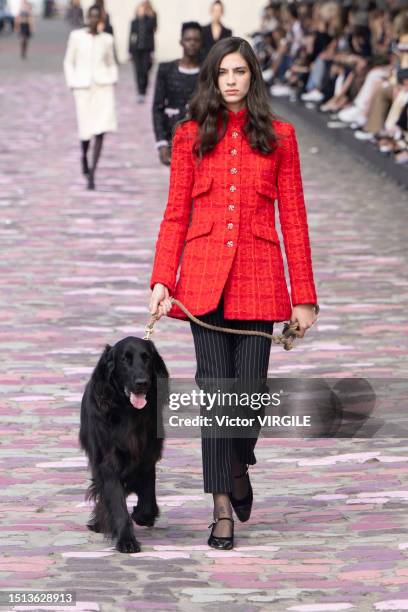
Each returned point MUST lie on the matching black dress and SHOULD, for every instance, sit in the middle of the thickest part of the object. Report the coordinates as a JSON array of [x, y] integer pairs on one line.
[[209, 40], [142, 31], [141, 46], [25, 29]]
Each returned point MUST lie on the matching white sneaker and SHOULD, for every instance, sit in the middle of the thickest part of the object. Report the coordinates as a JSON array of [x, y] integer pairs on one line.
[[336, 125], [361, 135], [268, 74], [281, 91], [312, 96], [326, 108], [385, 148], [352, 114]]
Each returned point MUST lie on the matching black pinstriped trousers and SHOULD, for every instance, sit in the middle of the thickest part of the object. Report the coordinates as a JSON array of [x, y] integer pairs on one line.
[[222, 355]]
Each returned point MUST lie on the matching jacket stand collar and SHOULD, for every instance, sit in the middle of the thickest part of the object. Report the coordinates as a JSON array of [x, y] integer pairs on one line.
[[239, 117]]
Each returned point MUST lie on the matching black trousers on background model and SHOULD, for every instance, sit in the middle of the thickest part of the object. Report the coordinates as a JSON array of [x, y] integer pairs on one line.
[[222, 355], [142, 65]]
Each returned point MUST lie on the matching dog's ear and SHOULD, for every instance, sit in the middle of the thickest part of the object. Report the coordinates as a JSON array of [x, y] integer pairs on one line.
[[102, 387], [107, 361], [161, 389], [159, 366]]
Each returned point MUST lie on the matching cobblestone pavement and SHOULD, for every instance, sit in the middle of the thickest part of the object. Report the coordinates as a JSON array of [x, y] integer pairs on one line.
[[328, 530]]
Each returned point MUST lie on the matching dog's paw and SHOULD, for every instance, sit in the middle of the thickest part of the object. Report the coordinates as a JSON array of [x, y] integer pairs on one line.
[[143, 518], [145, 521], [128, 544], [94, 526]]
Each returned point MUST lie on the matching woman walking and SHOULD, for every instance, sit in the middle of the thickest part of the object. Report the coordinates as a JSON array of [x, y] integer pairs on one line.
[[91, 72], [75, 14], [104, 24], [215, 30], [141, 45], [24, 26], [234, 158]]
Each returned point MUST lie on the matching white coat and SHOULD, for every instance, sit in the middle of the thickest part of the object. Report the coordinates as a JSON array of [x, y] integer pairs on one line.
[[90, 58], [91, 72]]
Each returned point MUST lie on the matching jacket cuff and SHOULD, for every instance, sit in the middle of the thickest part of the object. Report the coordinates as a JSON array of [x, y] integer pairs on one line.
[[316, 306], [305, 294], [162, 143], [164, 281]]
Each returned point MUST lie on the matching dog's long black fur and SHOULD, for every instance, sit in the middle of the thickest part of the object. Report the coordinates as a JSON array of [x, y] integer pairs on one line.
[[122, 442]]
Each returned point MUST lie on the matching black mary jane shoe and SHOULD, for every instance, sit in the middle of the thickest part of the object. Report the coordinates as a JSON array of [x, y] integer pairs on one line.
[[224, 542], [243, 507]]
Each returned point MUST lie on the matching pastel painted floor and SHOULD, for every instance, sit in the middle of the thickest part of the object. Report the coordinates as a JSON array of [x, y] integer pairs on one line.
[[329, 526]]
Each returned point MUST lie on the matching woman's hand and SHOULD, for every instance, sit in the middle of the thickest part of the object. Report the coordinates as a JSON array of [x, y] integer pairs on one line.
[[305, 315], [160, 303], [164, 155]]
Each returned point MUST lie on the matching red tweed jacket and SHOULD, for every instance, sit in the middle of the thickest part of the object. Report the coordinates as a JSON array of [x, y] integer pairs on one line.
[[219, 224]]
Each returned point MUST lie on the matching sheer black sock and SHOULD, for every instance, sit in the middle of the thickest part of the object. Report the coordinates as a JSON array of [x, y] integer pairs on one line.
[[240, 485], [24, 45], [85, 147], [97, 150], [222, 508]]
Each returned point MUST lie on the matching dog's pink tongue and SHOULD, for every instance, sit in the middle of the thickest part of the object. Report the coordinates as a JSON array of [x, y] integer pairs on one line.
[[138, 400]]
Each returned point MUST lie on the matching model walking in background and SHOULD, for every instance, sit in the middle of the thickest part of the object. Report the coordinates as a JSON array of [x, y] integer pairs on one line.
[[234, 157], [75, 14], [91, 72], [175, 84], [214, 31], [104, 24], [141, 45], [24, 26]]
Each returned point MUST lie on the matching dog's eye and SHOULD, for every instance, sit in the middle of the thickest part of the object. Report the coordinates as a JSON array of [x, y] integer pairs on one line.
[[144, 356], [129, 356]]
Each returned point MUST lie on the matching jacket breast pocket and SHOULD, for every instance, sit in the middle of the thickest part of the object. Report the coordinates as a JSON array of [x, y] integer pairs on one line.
[[266, 189], [202, 185], [199, 228]]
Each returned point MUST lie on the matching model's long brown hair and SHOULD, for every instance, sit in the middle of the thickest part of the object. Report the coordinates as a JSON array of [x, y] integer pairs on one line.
[[207, 103]]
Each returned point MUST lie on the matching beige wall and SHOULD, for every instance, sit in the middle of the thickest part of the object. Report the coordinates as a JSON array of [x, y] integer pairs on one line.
[[242, 16]]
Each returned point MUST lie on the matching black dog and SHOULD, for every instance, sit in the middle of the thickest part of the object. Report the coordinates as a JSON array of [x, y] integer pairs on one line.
[[121, 418]]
